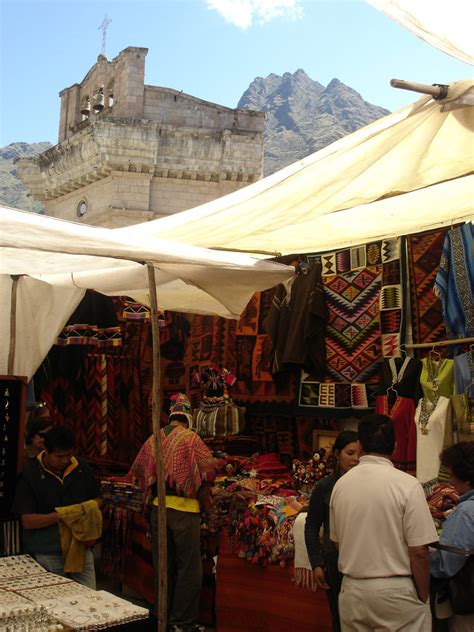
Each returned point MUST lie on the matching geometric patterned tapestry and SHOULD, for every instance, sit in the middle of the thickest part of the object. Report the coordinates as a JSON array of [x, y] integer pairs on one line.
[[424, 254], [363, 292], [255, 384]]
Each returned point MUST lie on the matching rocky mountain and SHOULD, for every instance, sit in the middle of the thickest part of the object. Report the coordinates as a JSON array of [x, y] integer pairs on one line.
[[12, 191], [303, 115]]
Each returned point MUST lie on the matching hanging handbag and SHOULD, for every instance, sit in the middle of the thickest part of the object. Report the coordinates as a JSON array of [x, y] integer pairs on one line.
[[461, 589], [461, 585], [219, 421]]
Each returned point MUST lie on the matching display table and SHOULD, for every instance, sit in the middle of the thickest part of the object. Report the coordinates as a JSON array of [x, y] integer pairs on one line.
[[31, 598], [251, 598]]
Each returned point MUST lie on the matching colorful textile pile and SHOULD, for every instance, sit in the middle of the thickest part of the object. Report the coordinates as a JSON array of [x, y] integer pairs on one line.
[[441, 501], [424, 254], [363, 291], [269, 466], [122, 494], [262, 532]]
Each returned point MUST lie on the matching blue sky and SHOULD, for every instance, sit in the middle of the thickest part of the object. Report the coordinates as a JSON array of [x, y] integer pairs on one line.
[[204, 49]]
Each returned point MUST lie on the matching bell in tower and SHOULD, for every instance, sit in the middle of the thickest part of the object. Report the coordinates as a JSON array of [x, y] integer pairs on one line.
[[99, 100], [86, 107]]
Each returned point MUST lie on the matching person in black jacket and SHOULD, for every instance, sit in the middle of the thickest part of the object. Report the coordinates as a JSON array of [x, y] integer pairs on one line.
[[55, 478], [323, 556]]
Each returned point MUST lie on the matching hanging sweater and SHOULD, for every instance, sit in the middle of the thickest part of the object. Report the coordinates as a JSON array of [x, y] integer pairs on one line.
[[296, 324]]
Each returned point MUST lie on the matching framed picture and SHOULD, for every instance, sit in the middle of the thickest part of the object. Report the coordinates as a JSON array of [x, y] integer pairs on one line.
[[324, 439]]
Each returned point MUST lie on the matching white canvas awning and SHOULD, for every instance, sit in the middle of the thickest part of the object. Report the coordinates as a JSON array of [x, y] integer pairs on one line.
[[63, 259], [407, 172], [444, 25]]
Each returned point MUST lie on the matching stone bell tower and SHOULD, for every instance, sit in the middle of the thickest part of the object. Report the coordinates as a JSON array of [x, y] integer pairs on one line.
[[129, 152]]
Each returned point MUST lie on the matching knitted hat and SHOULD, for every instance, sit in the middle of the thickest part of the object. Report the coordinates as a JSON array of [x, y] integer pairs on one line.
[[180, 405]]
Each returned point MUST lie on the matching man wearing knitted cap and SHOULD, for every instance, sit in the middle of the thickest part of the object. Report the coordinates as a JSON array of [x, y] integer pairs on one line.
[[189, 467]]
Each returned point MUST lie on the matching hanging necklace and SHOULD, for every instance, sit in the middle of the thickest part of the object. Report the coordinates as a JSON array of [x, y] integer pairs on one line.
[[426, 411], [470, 363]]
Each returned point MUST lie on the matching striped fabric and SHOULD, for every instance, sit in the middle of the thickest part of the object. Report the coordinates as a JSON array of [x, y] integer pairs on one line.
[[455, 281]]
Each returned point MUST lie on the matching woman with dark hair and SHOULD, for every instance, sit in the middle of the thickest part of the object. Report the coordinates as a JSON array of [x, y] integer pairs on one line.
[[458, 530], [323, 557], [38, 425]]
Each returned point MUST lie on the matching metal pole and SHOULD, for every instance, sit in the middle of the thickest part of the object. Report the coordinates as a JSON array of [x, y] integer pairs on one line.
[[162, 578]]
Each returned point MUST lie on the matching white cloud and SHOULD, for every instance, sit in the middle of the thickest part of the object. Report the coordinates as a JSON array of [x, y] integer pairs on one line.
[[243, 13]]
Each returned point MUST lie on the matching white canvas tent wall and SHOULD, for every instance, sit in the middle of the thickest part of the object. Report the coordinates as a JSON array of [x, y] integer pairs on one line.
[[65, 258], [62, 259], [407, 172]]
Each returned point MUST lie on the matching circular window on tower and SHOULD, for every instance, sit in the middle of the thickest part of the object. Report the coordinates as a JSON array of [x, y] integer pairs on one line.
[[82, 208]]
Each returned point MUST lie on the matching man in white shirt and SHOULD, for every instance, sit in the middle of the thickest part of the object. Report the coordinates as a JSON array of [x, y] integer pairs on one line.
[[381, 523]]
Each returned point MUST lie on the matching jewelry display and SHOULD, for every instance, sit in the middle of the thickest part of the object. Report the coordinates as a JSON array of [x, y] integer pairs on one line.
[[30, 619], [96, 610], [11, 602], [18, 566], [34, 600], [66, 590], [36, 581]]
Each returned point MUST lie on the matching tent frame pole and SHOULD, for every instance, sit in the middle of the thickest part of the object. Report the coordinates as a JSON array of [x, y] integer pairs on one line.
[[161, 573], [13, 301], [437, 90], [440, 343]]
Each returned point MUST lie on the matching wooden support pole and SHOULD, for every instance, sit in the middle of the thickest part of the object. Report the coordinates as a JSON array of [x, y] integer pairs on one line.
[[437, 91], [13, 301], [162, 578]]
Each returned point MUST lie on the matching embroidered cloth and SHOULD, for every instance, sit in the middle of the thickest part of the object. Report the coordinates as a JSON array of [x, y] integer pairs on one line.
[[188, 462]]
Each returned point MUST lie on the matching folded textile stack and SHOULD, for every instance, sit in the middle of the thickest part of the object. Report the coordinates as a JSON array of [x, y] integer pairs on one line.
[[441, 501], [269, 464], [122, 494]]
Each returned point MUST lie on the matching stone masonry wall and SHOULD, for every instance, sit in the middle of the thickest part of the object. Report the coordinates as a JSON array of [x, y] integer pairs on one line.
[[132, 152]]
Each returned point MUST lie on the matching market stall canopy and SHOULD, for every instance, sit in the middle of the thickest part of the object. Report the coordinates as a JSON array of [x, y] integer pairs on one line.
[[444, 25], [63, 259], [407, 172]]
